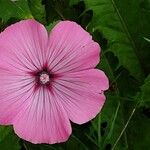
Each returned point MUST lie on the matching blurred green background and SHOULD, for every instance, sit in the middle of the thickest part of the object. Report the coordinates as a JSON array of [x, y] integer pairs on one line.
[[122, 28]]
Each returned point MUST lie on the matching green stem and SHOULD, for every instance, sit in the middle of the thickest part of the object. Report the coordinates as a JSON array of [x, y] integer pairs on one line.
[[123, 130], [99, 130]]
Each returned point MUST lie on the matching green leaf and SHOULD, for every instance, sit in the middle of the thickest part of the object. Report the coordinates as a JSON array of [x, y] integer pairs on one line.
[[53, 10], [37, 10], [136, 16], [112, 117], [72, 144], [108, 20], [16, 10], [51, 26], [8, 140], [65, 10], [145, 90], [138, 131], [73, 2]]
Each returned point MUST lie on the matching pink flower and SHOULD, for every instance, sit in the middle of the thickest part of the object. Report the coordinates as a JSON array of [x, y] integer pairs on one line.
[[48, 81]]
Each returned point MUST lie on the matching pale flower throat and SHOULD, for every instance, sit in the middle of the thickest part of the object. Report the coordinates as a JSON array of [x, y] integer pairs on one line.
[[44, 78]]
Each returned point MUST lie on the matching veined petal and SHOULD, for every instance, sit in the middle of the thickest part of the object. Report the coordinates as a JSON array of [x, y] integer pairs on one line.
[[44, 120], [15, 90], [23, 46], [81, 106], [71, 48], [81, 94], [93, 80]]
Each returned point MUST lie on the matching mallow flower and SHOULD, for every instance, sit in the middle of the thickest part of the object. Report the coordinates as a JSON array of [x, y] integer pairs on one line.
[[48, 81]]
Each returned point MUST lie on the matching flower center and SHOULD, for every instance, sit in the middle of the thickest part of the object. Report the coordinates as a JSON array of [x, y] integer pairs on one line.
[[44, 78]]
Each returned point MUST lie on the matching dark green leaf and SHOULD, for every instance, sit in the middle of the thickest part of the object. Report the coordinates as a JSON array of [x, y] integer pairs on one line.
[[14, 9], [108, 20], [8, 140], [138, 131], [72, 144], [145, 90], [37, 10], [51, 25]]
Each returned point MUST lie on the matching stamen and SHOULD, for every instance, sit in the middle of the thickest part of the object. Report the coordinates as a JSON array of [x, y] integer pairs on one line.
[[44, 78]]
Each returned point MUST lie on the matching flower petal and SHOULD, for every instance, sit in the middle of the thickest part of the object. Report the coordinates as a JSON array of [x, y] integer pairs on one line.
[[81, 94], [44, 120], [93, 79], [14, 92], [23, 46], [71, 48]]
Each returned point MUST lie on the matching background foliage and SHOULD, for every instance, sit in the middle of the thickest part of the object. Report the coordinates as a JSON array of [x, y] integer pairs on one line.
[[121, 27]]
